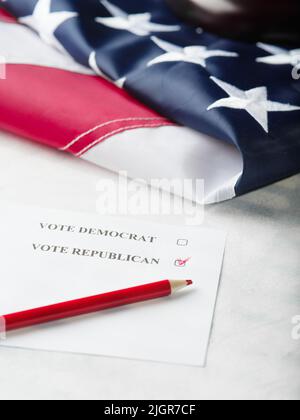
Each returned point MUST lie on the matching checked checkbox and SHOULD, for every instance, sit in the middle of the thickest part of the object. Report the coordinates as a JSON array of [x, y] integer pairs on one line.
[[181, 263]]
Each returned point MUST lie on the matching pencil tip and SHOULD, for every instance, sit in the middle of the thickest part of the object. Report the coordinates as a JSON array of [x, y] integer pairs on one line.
[[189, 282]]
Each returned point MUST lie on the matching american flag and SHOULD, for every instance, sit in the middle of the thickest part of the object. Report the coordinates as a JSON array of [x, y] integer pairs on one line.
[[191, 104]]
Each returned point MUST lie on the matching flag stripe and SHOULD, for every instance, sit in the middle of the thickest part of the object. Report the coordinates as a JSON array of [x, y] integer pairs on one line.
[[100, 130], [146, 124], [45, 105]]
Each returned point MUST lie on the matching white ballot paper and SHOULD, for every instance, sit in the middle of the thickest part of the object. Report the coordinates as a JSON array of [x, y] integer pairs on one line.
[[50, 256]]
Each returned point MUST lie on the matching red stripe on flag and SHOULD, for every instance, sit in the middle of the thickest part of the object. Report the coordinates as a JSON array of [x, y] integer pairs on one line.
[[66, 110]]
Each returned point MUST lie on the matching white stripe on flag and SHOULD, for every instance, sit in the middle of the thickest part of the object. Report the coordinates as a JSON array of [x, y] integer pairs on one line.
[[20, 45], [172, 153]]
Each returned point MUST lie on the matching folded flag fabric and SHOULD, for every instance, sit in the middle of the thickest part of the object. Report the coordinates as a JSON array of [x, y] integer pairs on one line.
[[241, 98], [49, 98]]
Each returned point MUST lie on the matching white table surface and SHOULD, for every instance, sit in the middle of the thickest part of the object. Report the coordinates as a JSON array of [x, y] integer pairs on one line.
[[251, 355]]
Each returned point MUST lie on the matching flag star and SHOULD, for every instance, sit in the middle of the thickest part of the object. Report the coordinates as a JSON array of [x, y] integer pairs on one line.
[[254, 101], [192, 54], [279, 56], [45, 22], [139, 24]]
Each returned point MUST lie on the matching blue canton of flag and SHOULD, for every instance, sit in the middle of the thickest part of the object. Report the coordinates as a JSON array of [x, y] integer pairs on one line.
[[236, 92]]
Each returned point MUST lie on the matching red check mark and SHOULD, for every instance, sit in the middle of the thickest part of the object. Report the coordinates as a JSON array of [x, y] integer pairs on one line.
[[183, 262]]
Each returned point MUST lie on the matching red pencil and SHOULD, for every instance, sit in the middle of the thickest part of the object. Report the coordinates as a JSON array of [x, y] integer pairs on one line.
[[92, 304]]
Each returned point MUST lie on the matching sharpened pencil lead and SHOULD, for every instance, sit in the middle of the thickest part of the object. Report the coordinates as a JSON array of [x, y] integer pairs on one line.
[[177, 285]]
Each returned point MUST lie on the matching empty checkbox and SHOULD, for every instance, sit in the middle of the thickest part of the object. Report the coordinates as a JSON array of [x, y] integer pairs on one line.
[[182, 242]]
